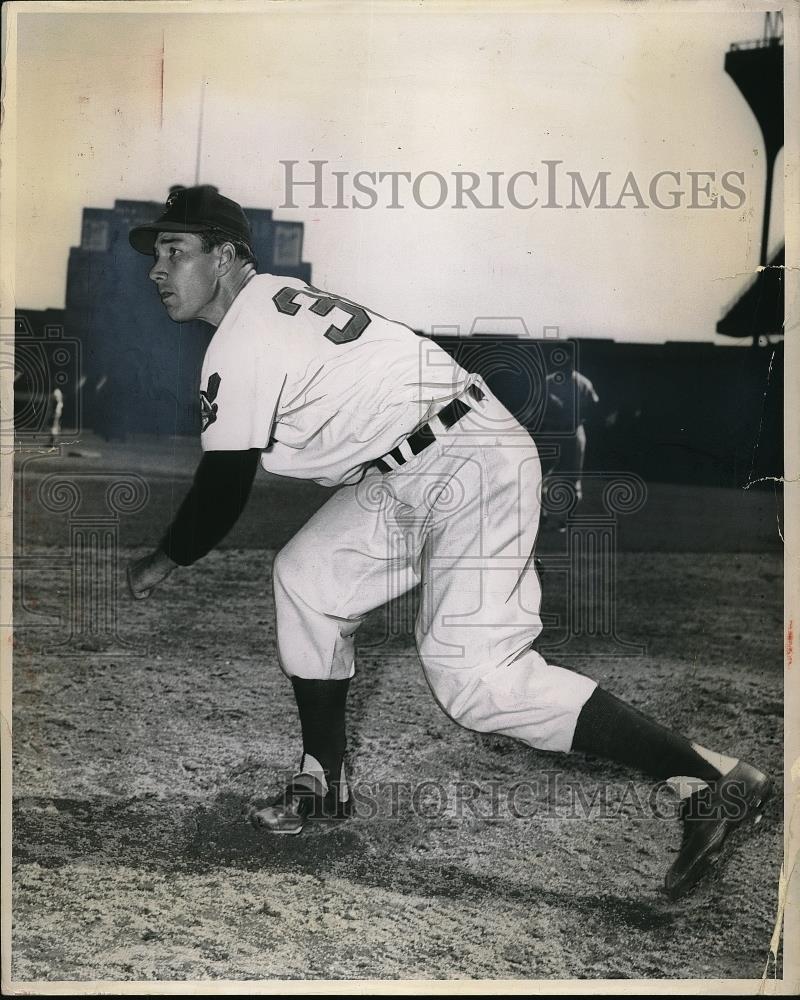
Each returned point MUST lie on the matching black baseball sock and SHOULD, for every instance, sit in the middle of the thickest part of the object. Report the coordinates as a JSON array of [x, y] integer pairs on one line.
[[321, 705], [610, 728]]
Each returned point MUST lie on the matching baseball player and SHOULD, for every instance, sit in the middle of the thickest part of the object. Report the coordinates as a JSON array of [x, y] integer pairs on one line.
[[56, 412], [435, 484], [565, 411], [560, 399]]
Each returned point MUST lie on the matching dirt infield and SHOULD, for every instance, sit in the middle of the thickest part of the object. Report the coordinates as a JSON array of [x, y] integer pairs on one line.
[[136, 759]]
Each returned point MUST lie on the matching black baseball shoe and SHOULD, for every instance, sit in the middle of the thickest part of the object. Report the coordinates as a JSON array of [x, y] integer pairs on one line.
[[303, 800], [708, 816]]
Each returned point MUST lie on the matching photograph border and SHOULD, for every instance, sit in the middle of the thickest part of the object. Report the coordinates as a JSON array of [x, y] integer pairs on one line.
[[787, 893]]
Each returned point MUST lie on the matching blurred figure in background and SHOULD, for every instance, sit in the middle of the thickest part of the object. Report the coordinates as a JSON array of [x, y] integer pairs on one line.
[[569, 402], [56, 411]]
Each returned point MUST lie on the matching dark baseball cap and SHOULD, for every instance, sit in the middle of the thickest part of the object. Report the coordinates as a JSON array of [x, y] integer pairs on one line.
[[193, 210]]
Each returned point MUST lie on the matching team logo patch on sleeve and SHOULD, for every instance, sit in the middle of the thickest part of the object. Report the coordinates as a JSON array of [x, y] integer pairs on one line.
[[208, 408]]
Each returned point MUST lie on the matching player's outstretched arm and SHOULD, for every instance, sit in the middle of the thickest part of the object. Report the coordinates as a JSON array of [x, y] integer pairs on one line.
[[212, 506]]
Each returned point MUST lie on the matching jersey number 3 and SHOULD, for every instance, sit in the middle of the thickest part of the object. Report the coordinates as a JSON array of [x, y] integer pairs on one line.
[[353, 328]]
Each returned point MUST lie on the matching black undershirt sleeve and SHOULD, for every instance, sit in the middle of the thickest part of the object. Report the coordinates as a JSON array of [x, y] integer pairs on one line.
[[212, 506]]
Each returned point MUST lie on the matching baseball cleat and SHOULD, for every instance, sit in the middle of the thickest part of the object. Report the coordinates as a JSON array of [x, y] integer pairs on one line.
[[708, 816], [303, 800]]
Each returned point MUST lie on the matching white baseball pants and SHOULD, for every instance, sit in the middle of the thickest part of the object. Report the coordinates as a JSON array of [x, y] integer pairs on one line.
[[460, 518]]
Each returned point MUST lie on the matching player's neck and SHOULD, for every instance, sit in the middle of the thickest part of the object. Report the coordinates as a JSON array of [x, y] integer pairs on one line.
[[222, 301]]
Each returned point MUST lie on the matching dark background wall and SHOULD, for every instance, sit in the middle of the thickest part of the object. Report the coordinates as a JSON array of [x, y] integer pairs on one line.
[[675, 412], [691, 413]]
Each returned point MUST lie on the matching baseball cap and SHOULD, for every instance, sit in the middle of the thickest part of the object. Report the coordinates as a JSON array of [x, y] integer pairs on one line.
[[193, 210]]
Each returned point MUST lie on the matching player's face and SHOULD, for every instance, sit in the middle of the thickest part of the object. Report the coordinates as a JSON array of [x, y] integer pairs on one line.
[[185, 276]]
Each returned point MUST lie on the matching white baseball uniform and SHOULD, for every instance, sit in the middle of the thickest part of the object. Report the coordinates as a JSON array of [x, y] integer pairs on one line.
[[323, 387]]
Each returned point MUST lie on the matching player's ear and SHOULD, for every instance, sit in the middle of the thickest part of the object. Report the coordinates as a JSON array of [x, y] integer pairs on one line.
[[226, 257]]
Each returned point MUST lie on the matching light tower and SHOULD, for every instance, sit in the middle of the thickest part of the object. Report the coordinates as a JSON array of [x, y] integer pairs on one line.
[[756, 67], [757, 70]]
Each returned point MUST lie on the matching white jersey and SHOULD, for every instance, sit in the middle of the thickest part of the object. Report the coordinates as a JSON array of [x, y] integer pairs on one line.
[[320, 384]]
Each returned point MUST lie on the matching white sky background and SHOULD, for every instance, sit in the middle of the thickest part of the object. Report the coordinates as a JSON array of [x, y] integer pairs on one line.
[[419, 89]]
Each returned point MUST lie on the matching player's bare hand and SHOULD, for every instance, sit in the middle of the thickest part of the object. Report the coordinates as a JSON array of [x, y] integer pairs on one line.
[[147, 573]]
